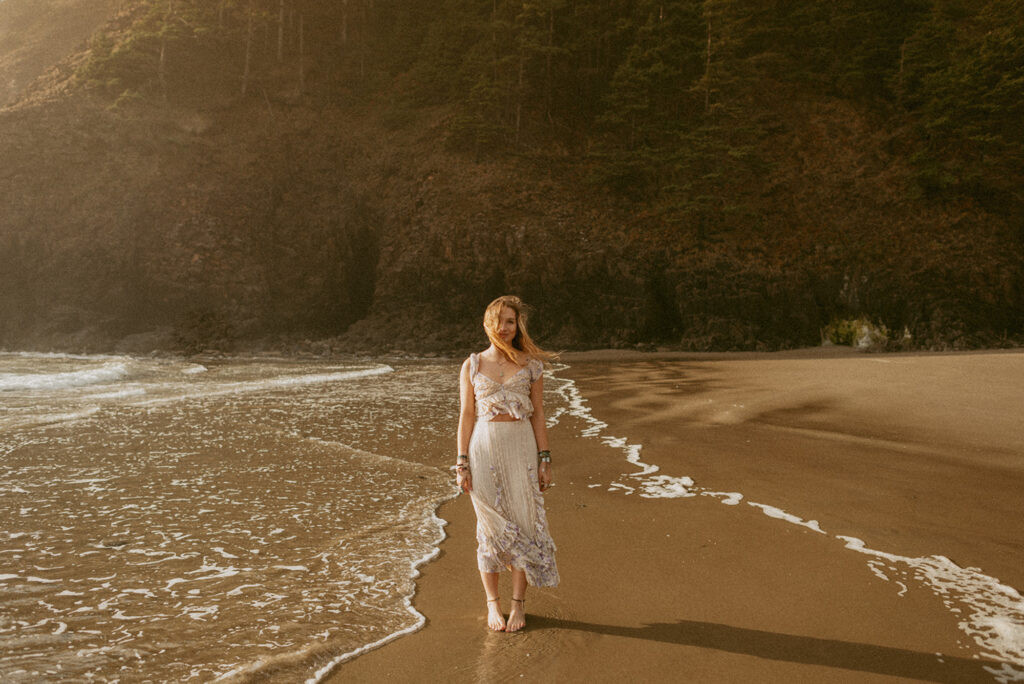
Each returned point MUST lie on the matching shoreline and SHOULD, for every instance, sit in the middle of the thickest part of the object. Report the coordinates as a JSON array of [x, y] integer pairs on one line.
[[827, 351], [704, 566], [314, 352]]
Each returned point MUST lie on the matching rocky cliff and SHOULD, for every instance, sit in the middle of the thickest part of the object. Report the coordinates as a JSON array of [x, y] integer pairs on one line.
[[348, 223]]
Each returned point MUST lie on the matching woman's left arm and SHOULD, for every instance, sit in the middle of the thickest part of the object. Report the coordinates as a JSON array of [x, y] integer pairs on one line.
[[540, 430]]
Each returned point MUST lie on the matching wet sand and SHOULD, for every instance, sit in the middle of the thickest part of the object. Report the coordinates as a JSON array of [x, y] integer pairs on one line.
[[918, 455]]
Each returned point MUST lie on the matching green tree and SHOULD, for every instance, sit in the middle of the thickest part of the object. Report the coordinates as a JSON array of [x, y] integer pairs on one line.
[[965, 83], [869, 38], [650, 98]]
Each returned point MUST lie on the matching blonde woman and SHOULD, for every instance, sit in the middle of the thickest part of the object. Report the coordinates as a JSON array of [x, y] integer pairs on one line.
[[503, 460]]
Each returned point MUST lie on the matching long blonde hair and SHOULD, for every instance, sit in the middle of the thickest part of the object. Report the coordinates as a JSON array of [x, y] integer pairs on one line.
[[522, 348]]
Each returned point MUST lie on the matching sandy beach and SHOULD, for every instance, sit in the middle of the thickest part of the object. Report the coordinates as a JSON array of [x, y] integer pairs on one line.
[[851, 517]]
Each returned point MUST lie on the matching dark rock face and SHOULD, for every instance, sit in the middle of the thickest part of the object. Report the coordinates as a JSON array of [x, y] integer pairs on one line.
[[125, 230], [119, 225]]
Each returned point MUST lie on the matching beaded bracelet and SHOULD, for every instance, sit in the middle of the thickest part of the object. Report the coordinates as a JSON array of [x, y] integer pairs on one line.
[[545, 456]]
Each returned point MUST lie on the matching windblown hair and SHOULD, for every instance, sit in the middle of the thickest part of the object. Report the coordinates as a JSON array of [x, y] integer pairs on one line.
[[522, 348]]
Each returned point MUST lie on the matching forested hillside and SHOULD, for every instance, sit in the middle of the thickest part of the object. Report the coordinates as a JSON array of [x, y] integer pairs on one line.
[[701, 174], [36, 34]]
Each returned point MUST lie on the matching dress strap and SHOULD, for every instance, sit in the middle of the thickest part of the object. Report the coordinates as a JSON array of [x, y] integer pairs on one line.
[[474, 365]]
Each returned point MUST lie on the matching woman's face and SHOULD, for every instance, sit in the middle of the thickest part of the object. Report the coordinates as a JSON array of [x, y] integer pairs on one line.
[[507, 324]]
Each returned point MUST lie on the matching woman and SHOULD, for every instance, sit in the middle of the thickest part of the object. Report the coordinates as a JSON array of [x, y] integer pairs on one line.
[[504, 463]]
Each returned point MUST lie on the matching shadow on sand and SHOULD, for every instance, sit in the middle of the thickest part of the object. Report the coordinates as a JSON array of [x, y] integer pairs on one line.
[[795, 649]]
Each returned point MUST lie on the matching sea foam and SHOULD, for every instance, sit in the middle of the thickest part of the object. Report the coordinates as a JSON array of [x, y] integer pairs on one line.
[[650, 485], [103, 375]]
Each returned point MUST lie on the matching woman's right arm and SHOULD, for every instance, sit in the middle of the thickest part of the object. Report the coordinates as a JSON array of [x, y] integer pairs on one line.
[[467, 417]]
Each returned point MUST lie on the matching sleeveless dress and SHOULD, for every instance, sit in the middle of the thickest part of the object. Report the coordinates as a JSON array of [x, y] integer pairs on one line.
[[511, 528]]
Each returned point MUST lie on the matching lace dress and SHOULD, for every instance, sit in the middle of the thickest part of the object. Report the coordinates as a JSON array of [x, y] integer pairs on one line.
[[511, 528]]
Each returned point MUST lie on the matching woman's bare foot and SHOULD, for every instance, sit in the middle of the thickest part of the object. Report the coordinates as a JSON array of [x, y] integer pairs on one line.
[[516, 616], [495, 620]]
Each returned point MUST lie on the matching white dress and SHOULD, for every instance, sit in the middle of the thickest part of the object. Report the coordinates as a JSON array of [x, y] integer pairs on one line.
[[511, 528]]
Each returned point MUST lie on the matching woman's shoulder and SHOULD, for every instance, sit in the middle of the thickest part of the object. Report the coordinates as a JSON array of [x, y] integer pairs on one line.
[[535, 367], [471, 363]]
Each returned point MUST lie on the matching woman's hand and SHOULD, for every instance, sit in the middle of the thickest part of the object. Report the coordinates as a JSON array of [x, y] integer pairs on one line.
[[544, 475], [464, 480]]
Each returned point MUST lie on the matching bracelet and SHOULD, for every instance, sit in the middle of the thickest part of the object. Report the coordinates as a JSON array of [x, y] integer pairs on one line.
[[545, 456], [462, 457]]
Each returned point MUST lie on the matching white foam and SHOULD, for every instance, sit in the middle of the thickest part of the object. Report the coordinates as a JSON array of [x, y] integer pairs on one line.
[[650, 486], [1005, 673], [666, 487], [60, 355], [995, 611], [104, 375], [727, 498], [876, 569], [779, 514], [419, 618], [89, 480], [201, 612], [221, 572]]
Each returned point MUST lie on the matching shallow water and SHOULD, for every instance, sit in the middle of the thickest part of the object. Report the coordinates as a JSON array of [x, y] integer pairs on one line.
[[168, 520]]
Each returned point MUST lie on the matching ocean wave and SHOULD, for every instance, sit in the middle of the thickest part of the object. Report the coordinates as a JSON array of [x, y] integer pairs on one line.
[[60, 356], [103, 375], [280, 382]]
